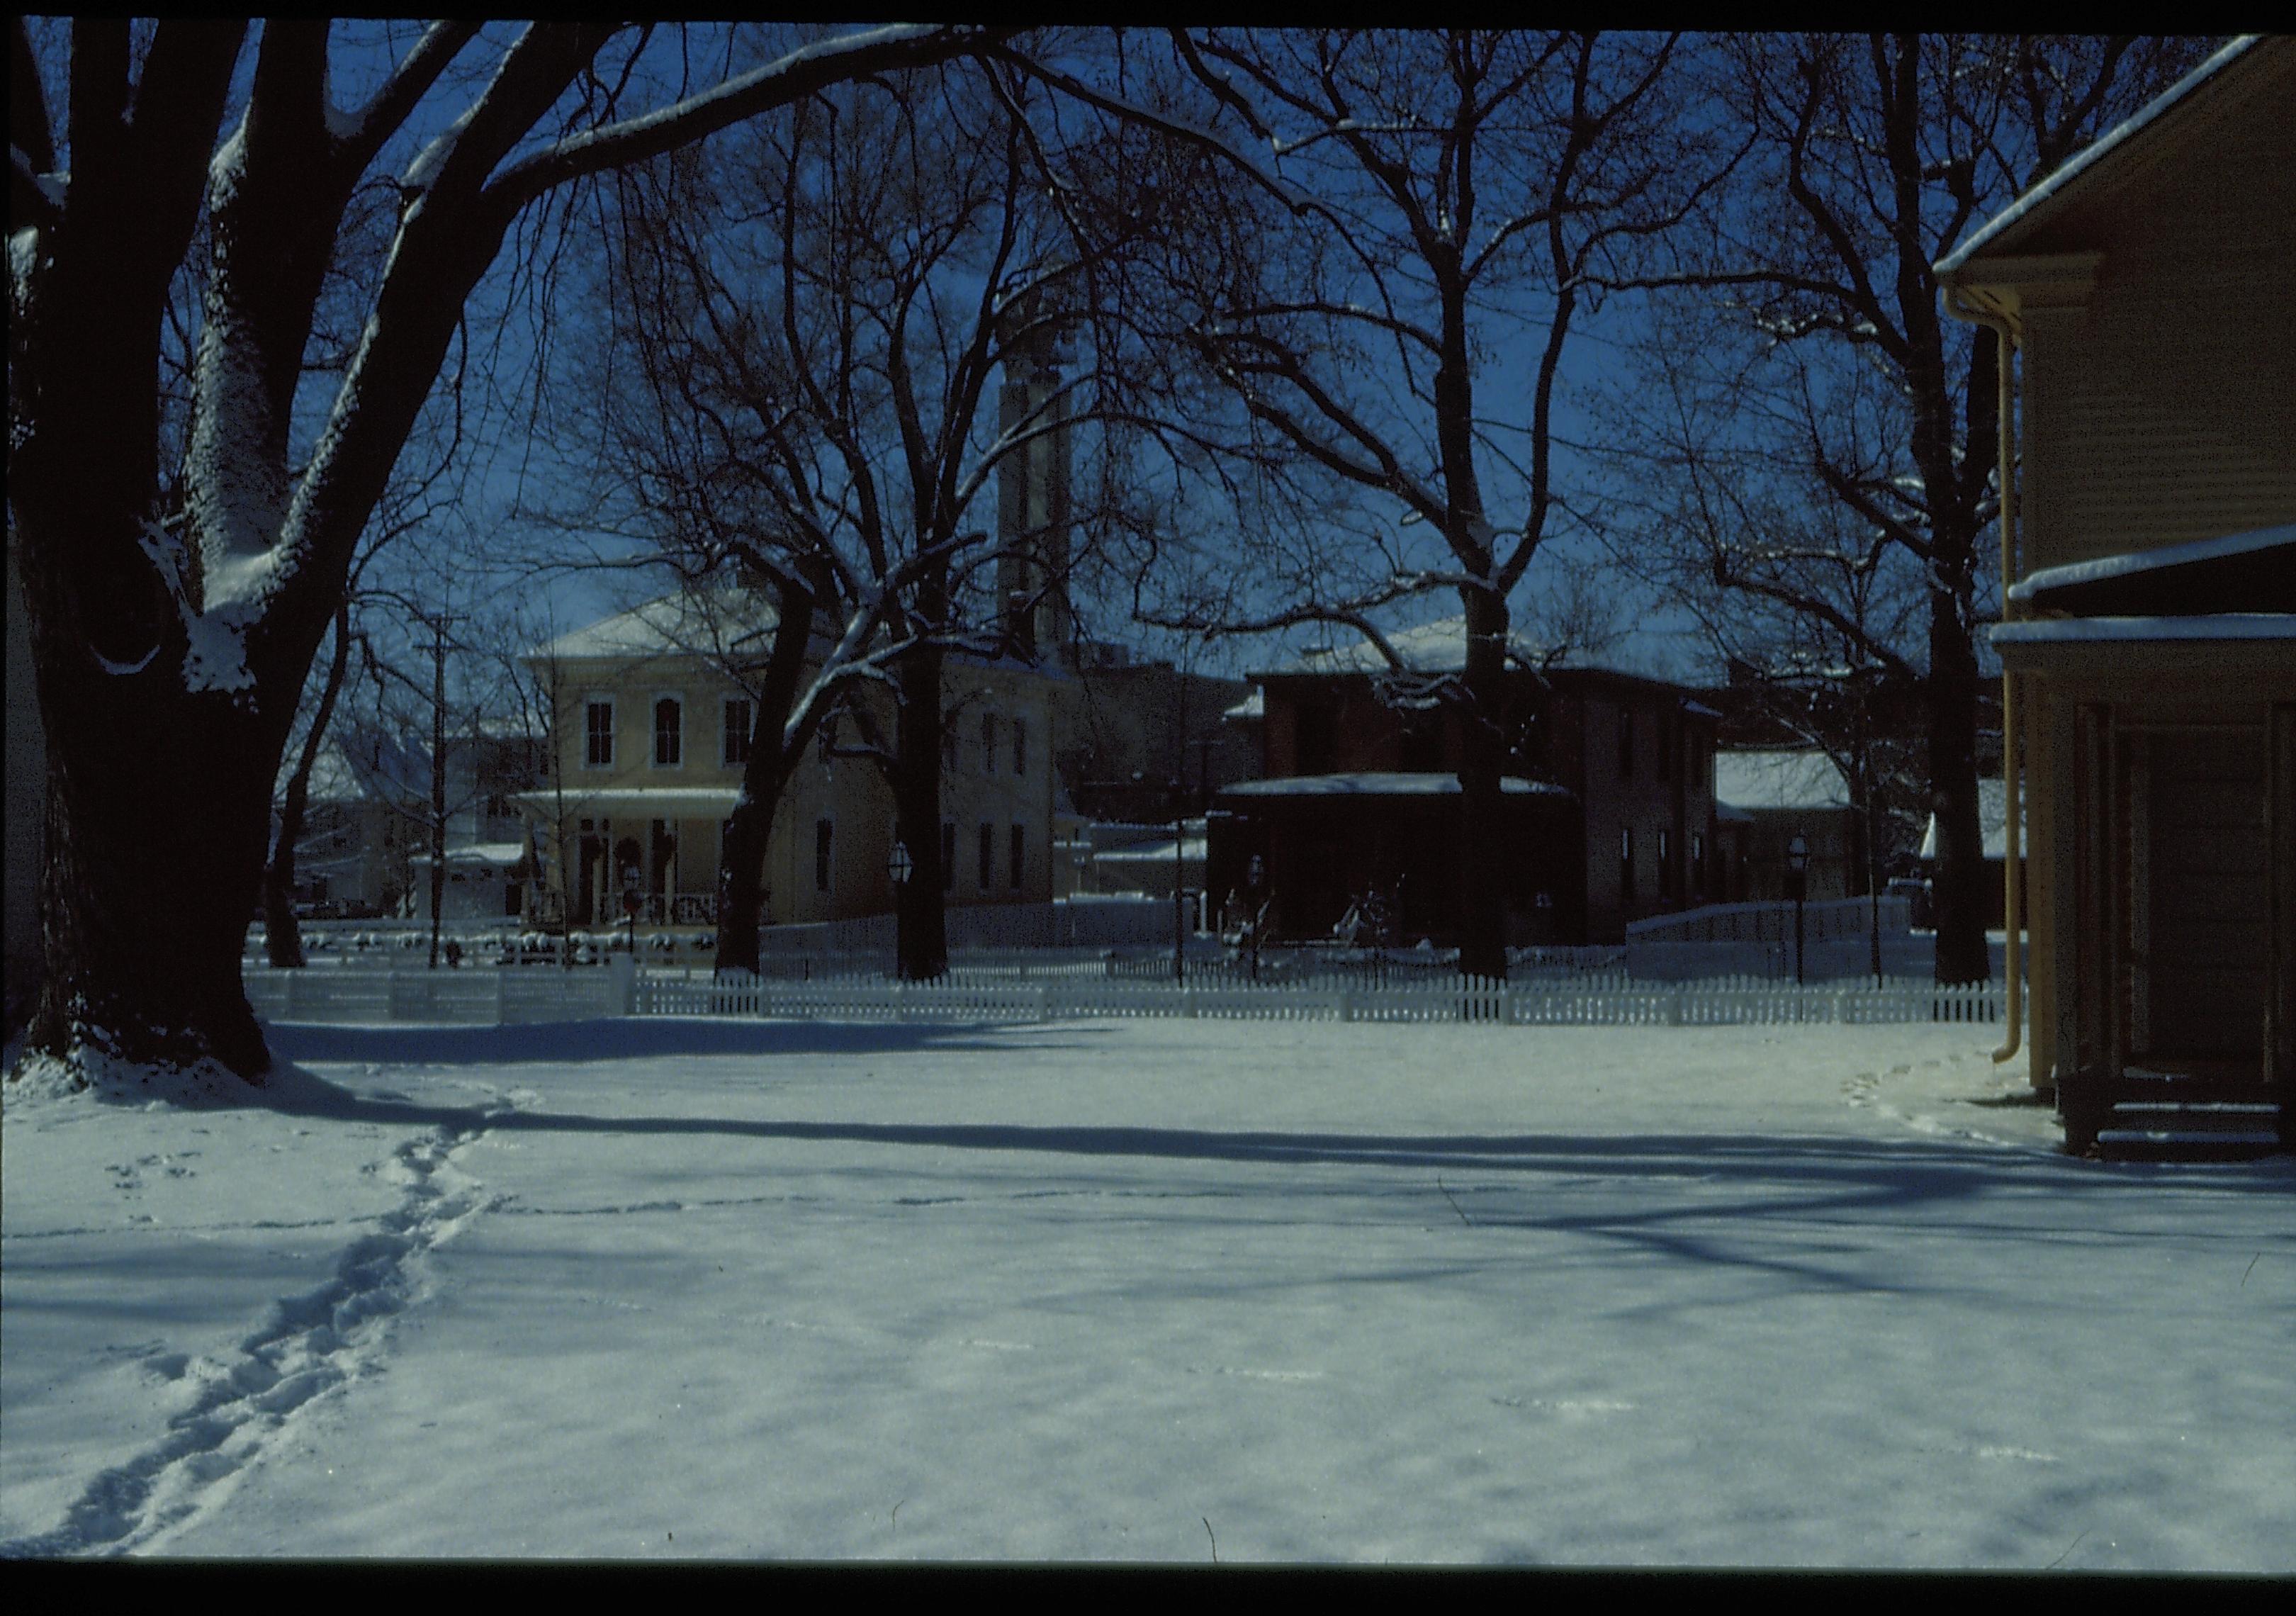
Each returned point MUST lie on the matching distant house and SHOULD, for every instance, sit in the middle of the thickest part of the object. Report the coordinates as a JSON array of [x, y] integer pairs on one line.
[[650, 736], [1766, 799], [2152, 633], [1993, 826], [1608, 807]]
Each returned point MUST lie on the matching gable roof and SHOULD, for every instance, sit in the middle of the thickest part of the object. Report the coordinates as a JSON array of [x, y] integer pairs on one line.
[[1779, 780], [720, 623], [2074, 179]]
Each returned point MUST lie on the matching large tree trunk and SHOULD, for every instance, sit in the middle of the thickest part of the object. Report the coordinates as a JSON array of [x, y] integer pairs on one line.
[[1482, 889], [921, 920], [1959, 883], [741, 869], [146, 894]]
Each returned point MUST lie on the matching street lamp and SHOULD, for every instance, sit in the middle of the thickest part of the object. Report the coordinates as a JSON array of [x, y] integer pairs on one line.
[[1179, 878], [899, 866], [1798, 884]]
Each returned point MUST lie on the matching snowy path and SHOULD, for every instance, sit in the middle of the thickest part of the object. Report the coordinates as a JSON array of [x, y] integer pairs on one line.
[[1305, 1291]]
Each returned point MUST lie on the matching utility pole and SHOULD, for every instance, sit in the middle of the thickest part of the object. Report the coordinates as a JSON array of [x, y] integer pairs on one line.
[[437, 623]]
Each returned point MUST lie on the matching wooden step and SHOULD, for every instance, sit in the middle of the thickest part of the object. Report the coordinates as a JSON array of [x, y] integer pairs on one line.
[[2191, 1130]]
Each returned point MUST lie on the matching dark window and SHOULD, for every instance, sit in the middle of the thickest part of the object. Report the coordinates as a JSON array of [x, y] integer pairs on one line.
[[1626, 864], [949, 855], [988, 746], [737, 732], [598, 723], [668, 733], [1698, 861], [1666, 733], [1626, 743], [1315, 745], [1020, 846], [1020, 747], [1423, 743], [1665, 861], [987, 857], [822, 830]]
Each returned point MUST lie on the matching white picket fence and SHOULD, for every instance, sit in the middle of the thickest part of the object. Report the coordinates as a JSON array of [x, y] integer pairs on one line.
[[482, 997], [499, 997], [1524, 1005]]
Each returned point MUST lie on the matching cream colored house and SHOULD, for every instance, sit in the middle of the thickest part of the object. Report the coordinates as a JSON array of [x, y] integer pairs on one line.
[[2150, 288], [653, 709]]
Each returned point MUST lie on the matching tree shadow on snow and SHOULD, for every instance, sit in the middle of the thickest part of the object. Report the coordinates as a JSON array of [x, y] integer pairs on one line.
[[625, 1038], [1929, 1169], [1683, 1196]]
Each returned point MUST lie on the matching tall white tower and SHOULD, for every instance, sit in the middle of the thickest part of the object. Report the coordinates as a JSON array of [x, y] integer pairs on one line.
[[1032, 494]]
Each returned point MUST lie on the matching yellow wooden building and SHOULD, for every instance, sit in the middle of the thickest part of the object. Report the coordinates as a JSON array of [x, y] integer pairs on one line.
[[2148, 646]]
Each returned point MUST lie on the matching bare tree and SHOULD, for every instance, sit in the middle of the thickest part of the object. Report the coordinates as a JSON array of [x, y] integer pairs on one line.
[[811, 320], [1818, 431], [172, 644], [1455, 197]]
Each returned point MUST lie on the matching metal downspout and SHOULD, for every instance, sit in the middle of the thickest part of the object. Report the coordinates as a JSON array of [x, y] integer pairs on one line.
[[2013, 916]]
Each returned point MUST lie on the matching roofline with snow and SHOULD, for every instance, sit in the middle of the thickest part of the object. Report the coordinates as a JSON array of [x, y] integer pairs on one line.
[[2045, 197]]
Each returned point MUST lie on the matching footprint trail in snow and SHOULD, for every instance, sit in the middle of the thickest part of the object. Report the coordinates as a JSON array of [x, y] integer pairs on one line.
[[309, 1345]]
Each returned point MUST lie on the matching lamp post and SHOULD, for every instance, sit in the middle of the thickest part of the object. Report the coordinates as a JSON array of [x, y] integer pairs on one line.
[[898, 865], [630, 906], [1179, 880], [1255, 882], [1798, 884]]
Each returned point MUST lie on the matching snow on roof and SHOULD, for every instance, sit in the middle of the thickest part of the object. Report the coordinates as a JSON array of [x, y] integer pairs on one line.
[[1665, 655], [1779, 780], [1992, 821], [636, 801], [672, 625], [2062, 178], [1253, 706], [2136, 563], [1194, 847], [1380, 785], [498, 854], [2220, 625]]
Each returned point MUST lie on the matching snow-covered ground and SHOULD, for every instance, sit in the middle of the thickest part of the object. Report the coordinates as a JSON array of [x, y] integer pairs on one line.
[[1142, 1291]]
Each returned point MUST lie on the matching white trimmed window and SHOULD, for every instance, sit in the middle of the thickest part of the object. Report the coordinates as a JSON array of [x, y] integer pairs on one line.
[[987, 745], [598, 732], [1020, 746], [737, 732], [668, 731]]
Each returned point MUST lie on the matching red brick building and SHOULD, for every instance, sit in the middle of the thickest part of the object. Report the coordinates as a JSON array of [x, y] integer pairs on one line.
[[1608, 811]]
